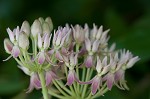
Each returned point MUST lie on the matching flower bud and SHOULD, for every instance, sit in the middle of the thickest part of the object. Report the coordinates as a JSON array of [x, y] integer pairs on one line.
[[8, 46], [50, 23], [36, 28], [46, 28], [26, 27], [41, 20], [23, 41]]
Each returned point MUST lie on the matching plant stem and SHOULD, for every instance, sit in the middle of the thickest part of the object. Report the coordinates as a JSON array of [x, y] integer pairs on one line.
[[43, 83], [85, 86]]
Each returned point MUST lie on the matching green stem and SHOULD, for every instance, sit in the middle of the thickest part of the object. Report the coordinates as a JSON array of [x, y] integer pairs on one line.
[[66, 95], [77, 69], [63, 87], [55, 95], [83, 77], [85, 86], [43, 83]]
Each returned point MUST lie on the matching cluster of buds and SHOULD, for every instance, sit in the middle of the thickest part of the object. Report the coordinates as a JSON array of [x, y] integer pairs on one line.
[[66, 62]]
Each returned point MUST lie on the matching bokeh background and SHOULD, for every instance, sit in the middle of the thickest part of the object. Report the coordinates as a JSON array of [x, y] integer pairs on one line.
[[129, 21]]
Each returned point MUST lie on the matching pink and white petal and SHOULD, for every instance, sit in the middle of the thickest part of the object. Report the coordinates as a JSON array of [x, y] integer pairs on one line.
[[8, 46], [88, 44], [40, 41], [118, 75], [95, 45], [11, 35], [110, 81], [41, 58], [89, 61], [58, 56], [132, 61], [46, 41], [95, 84], [15, 51], [31, 86], [36, 81], [51, 51], [71, 77], [104, 62], [48, 78], [17, 32], [99, 65], [105, 69]]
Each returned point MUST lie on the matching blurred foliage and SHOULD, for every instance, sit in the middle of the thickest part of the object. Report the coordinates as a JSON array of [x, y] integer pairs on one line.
[[129, 21]]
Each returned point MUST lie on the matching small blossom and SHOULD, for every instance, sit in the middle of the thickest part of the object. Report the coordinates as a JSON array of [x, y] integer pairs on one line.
[[79, 33], [60, 36]]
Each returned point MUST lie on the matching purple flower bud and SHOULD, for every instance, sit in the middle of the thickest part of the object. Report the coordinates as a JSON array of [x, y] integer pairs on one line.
[[26, 28], [89, 61], [15, 51], [8, 46]]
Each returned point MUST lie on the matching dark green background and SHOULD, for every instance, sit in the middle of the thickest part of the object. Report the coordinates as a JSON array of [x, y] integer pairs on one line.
[[129, 21]]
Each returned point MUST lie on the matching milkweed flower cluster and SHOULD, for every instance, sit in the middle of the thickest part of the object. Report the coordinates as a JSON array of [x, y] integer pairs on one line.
[[65, 62]]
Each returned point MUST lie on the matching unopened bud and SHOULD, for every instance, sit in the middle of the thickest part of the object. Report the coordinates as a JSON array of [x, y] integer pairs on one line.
[[8, 46], [36, 28], [23, 41], [41, 20], [26, 27], [50, 23], [46, 28]]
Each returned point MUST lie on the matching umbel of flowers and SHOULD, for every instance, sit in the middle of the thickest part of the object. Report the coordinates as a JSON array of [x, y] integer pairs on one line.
[[65, 62]]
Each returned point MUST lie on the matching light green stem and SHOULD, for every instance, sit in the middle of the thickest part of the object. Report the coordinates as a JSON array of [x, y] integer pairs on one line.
[[57, 86], [43, 83], [85, 86]]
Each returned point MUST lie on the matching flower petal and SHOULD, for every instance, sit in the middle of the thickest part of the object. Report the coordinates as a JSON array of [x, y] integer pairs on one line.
[[110, 81], [11, 35], [15, 51], [95, 84], [41, 58], [8, 46], [71, 77], [89, 61]]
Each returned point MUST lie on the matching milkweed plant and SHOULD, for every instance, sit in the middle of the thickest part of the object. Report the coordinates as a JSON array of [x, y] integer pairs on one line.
[[71, 62]]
